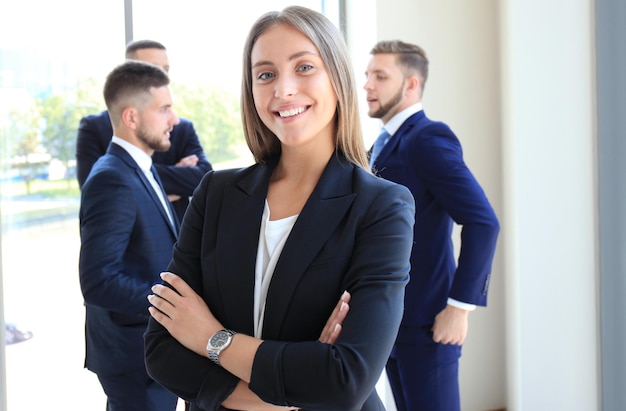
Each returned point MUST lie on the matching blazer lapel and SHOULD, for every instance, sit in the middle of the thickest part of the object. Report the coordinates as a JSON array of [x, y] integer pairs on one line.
[[174, 224], [123, 154], [329, 203], [395, 139], [237, 241]]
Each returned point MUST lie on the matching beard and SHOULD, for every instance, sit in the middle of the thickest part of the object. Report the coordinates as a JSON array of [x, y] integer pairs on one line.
[[153, 141], [386, 107]]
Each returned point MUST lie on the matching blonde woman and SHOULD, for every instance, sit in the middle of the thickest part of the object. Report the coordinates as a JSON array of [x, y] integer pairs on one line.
[[266, 252]]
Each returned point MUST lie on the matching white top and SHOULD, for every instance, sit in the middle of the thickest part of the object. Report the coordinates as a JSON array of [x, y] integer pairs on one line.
[[272, 238]]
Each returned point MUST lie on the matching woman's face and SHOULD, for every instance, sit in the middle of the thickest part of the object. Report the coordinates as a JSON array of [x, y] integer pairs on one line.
[[291, 88]]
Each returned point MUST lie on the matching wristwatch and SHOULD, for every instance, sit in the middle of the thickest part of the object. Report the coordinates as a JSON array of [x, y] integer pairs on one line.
[[218, 342]]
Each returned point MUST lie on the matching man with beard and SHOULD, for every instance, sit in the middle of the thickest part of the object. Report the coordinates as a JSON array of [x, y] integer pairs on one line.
[[128, 229], [426, 157], [181, 167]]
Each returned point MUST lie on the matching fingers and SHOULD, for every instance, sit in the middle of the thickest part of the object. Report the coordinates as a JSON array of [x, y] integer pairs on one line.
[[177, 283], [165, 298], [189, 161], [333, 326]]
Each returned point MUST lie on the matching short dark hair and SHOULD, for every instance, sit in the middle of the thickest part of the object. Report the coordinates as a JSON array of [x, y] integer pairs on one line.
[[131, 83], [411, 57], [133, 46]]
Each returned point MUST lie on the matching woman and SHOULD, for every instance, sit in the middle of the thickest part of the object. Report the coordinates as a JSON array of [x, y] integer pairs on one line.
[[265, 253]]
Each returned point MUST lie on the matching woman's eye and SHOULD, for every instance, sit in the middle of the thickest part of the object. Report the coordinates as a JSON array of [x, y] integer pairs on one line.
[[305, 67], [265, 76]]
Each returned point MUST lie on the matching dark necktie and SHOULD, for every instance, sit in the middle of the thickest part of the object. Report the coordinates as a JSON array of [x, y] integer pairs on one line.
[[160, 192], [378, 146]]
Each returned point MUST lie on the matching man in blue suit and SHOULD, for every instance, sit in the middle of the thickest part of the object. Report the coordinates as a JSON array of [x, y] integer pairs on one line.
[[180, 168], [426, 157], [128, 229]]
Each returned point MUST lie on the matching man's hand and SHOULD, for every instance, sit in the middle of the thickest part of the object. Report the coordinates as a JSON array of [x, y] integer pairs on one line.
[[189, 161], [450, 326]]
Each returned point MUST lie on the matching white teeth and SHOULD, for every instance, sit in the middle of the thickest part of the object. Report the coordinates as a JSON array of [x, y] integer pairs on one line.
[[292, 112]]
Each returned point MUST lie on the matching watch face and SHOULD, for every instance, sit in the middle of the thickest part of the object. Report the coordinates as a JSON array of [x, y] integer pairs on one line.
[[219, 339]]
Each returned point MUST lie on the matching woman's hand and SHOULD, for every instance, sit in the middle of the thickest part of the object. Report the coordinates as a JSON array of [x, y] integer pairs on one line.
[[333, 326], [183, 313]]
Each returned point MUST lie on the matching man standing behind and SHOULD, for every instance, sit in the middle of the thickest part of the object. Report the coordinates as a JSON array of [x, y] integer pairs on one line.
[[128, 229], [180, 168], [426, 157]]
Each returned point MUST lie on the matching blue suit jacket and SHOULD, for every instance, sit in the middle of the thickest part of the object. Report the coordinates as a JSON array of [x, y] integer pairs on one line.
[[426, 157], [94, 135], [126, 241], [354, 233]]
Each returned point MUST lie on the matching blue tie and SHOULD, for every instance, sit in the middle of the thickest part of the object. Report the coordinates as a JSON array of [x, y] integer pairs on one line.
[[378, 146]]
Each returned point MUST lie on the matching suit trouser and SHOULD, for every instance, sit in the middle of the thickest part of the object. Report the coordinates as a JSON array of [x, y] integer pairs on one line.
[[136, 391], [424, 376]]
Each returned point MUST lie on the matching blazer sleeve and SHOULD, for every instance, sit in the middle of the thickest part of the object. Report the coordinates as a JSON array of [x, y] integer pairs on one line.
[[312, 375], [90, 146], [183, 180], [438, 156]]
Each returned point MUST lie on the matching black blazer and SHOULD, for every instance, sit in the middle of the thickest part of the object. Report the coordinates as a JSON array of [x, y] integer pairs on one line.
[[126, 241], [94, 135], [354, 233]]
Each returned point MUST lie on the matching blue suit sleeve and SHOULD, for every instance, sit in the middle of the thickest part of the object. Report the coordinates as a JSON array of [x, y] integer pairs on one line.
[[440, 166], [183, 180], [90, 145]]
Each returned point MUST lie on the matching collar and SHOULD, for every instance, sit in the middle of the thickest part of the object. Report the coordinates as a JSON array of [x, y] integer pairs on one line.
[[143, 160], [396, 121]]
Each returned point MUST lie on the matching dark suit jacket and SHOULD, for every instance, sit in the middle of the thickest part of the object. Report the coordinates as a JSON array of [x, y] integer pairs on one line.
[[426, 157], [126, 241], [94, 135], [354, 233]]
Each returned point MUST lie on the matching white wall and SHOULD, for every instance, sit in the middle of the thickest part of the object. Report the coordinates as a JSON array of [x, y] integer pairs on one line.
[[514, 79], [550, 199]]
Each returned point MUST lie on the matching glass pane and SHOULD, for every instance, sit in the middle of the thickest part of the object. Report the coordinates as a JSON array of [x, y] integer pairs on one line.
[[52, 66]]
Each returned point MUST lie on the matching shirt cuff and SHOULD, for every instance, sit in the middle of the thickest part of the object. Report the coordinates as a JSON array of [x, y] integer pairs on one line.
[[462, 305]]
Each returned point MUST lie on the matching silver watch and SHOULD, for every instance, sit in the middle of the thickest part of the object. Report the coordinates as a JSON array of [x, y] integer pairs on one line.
[[218, 342]]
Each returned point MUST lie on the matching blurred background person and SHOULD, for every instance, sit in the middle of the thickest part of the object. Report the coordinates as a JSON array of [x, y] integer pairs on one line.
[[180, 168], [127, 231], [426, 157]]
